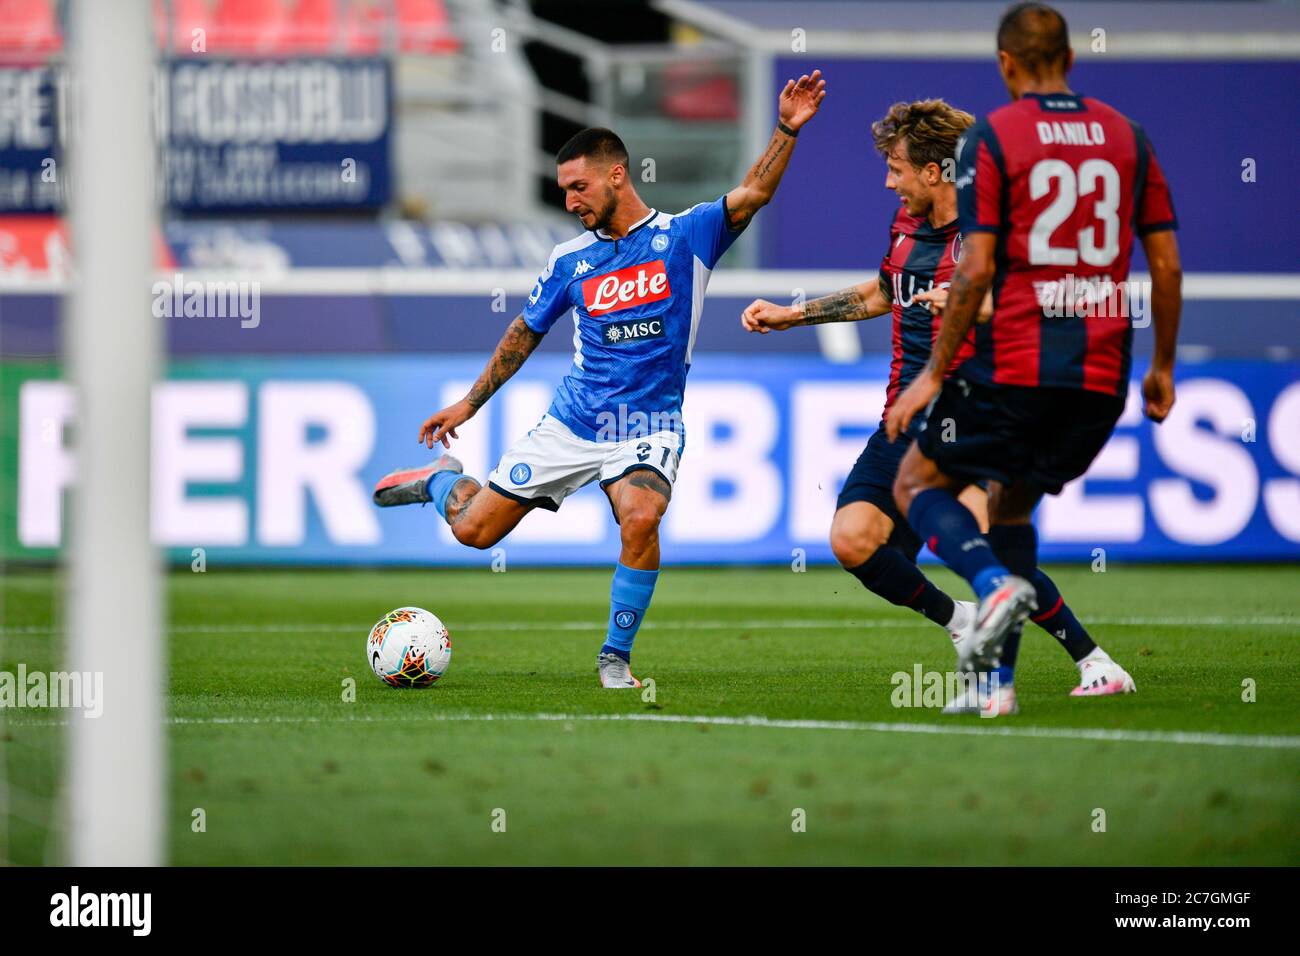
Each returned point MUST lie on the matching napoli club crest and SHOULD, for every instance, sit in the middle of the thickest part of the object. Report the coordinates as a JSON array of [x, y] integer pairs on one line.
[[625, 619], [520, 473], [660, 242]]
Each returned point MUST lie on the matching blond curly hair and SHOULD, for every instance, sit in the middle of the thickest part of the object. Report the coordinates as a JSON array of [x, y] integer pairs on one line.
[[931, 128]]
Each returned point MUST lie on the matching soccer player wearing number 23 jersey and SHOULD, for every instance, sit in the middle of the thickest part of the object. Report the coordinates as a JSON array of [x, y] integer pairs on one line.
[[869, 536], [1051, 190]]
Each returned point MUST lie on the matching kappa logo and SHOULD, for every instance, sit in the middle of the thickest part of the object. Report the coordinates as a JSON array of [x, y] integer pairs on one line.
[[583, 268], [627, 288], [618, 332]]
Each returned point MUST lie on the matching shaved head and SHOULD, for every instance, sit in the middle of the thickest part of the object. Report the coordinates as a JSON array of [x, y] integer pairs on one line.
[[1036, 37]]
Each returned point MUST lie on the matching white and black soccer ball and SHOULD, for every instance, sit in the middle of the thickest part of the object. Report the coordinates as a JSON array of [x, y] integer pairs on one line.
[[409, 647]]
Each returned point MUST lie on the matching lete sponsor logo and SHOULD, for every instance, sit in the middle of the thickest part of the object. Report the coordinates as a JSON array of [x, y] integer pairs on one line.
[[626, 288]]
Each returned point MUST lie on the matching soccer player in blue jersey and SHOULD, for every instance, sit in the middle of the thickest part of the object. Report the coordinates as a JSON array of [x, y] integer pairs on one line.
[[633, 285], [869, 536]]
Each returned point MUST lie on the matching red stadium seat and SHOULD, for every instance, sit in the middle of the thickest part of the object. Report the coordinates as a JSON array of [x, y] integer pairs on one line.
[[692, 94], [422, 27], [367, 24], [247, 26], [313, 27], [28, 26]]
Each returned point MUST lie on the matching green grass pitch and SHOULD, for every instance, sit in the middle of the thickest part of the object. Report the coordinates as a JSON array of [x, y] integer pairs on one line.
[[287, 771]]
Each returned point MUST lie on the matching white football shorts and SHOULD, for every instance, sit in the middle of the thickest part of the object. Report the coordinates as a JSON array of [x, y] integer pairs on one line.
[[551, 462]]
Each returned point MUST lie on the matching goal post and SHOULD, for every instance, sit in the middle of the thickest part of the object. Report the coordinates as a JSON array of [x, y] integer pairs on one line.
[[114, 795]]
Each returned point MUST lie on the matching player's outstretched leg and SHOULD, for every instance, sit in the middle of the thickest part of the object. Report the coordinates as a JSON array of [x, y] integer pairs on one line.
[[479, 517], [1017, 546], [928, 497], [639, 500], [860, 540], [410, 486]]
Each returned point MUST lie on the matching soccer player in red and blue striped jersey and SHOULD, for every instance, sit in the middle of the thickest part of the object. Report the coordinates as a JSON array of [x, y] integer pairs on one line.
[[869, 536], [1052, 190]]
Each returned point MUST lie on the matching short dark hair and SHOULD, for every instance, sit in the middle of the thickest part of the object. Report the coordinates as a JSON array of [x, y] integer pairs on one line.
[[596, 142], [1036, 36]]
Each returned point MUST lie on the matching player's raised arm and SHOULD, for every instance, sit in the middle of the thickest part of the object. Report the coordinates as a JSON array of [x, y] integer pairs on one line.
[[863, 301], [1166, 305], [799, 103], [511, 352]]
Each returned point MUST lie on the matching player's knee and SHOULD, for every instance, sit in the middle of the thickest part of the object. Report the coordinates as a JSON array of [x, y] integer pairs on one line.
[[905, 490], [854, 544], [474, 534], [639, 525]]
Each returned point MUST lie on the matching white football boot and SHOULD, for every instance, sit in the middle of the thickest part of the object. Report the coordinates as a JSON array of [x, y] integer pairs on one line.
[[996, 702], [615, 672], [1000, 613], [1100, 676], [1000, 702]]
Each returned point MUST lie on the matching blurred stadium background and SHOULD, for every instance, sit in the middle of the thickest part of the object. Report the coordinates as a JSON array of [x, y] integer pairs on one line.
[[380, 173], [375, 178]]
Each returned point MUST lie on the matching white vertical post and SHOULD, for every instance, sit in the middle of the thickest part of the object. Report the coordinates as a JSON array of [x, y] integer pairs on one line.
[[759, 121], [115, 799]]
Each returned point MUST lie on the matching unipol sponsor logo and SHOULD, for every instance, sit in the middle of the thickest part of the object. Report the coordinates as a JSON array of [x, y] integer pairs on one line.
[[905, 293], [626, 288]]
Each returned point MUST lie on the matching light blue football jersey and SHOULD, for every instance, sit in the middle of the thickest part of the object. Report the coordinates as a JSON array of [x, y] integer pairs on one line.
[[635, 303]]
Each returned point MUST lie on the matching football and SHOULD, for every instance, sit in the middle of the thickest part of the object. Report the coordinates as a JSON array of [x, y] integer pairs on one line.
[[409, 647]]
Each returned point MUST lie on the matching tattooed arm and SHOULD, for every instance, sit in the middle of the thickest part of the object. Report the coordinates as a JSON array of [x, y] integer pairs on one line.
[[970, 282], [799, 103], [864, 301], [511, 352]]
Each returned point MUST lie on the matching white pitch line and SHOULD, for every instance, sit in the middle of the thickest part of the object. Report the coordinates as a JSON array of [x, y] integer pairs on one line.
[[883, 727], [772, 624]]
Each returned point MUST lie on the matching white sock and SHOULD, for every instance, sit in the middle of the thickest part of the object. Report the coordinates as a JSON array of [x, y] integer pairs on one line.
[[960, 616]]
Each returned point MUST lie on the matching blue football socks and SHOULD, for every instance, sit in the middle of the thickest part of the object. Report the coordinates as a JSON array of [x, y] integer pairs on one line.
[[439, 487], [629, 596], [952, 533]]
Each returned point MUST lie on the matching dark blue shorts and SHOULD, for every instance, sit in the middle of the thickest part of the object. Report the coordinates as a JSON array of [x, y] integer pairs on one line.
[[1005, 433], [872, 481]]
